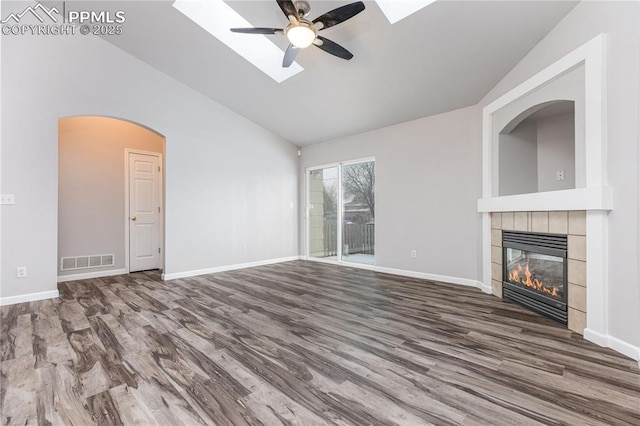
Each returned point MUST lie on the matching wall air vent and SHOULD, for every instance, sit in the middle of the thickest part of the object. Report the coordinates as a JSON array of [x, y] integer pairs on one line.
[[68, 263], [82, 262], [86, 262]]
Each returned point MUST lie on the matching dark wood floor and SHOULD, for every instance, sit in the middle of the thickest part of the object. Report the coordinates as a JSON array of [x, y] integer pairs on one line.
[[300, 343]]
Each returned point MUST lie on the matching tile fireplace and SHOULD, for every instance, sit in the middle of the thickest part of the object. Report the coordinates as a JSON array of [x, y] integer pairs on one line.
[[570, 227]]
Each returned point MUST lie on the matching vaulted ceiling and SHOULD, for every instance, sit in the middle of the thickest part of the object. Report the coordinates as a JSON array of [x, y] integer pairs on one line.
[[446, 56]]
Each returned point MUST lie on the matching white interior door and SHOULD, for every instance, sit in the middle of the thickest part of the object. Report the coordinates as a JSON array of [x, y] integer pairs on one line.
[[144, 212]]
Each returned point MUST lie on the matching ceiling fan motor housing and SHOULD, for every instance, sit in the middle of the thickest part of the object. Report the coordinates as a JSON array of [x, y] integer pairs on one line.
[[303, 8]]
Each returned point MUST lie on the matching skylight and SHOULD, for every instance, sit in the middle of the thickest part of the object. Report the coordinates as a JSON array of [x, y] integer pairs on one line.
[[217, 17], [395, 10]]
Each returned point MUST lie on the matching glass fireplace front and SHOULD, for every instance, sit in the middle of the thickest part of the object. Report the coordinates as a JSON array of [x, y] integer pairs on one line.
[[535, 272]]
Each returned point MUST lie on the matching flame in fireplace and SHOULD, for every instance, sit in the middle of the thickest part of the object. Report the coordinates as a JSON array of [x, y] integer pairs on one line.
[[523, 276]]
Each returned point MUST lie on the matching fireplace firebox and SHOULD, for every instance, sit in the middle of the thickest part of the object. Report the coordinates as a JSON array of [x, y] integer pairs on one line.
[[535, 272]]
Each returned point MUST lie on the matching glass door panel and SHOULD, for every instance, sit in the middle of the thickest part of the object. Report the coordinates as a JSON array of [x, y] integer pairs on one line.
[[323, 213], [358, 212]]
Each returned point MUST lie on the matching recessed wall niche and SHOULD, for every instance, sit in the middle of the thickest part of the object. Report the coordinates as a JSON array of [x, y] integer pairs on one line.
[[537, 154], [540, 139]]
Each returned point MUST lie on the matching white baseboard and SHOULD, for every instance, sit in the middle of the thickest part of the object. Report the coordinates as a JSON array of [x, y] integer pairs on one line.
[[31, 297], [486, 288], [360, 266], [89, 275], [614, 343], [595, 337], [186, 274], [406, 273], [432, 277], [624, 348]]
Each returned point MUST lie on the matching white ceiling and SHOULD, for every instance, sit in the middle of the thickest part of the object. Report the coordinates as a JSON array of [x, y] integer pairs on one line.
[[446, 56]]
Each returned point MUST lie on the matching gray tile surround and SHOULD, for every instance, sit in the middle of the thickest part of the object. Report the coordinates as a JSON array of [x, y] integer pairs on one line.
[[572, 224]]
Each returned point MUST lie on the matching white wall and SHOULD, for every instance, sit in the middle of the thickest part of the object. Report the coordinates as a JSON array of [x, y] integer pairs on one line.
[[621, 23], [428, 179], [229, 182], [519, 160], [91, 185], [556, 151]]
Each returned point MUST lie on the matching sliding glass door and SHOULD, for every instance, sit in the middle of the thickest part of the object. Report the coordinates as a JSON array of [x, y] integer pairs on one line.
[[341, 215], [358, 212], [323, 213]]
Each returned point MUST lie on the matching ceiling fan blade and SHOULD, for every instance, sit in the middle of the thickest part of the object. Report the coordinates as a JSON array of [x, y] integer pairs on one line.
[[288, 8], [258, 30], [340, 14], [333, 48], [289, 55]]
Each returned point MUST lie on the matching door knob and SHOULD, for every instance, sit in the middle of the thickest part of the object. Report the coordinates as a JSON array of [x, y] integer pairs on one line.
[[133, 218]]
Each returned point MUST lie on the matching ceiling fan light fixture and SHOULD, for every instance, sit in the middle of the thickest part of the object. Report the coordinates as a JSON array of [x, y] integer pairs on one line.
[[301, 35]]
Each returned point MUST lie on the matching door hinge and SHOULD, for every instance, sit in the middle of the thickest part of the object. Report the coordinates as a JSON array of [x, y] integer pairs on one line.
[[158, 168], [158, 209], [158, 249]]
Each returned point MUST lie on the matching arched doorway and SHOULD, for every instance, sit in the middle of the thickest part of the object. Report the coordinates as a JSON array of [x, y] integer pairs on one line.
[[107, 169]]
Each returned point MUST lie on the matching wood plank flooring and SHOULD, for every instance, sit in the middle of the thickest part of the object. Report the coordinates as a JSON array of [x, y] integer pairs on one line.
[[300, 343]]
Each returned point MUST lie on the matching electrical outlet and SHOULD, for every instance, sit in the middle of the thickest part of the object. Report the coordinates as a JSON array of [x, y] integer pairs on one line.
[[244, 249], [21, 272], [560, 175], [414, 254], [7, 199]]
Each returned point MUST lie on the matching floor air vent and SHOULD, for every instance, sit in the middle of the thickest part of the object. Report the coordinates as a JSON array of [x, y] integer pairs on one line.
[[86, 262]]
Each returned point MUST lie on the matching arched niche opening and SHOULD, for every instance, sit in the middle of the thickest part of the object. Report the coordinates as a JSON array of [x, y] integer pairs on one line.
[[537, 150]]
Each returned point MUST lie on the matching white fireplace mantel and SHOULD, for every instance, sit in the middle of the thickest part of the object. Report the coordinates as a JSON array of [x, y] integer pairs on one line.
[[596, 197]]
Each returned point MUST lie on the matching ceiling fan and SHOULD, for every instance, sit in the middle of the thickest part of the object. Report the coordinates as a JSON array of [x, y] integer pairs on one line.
[[302, 32]]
